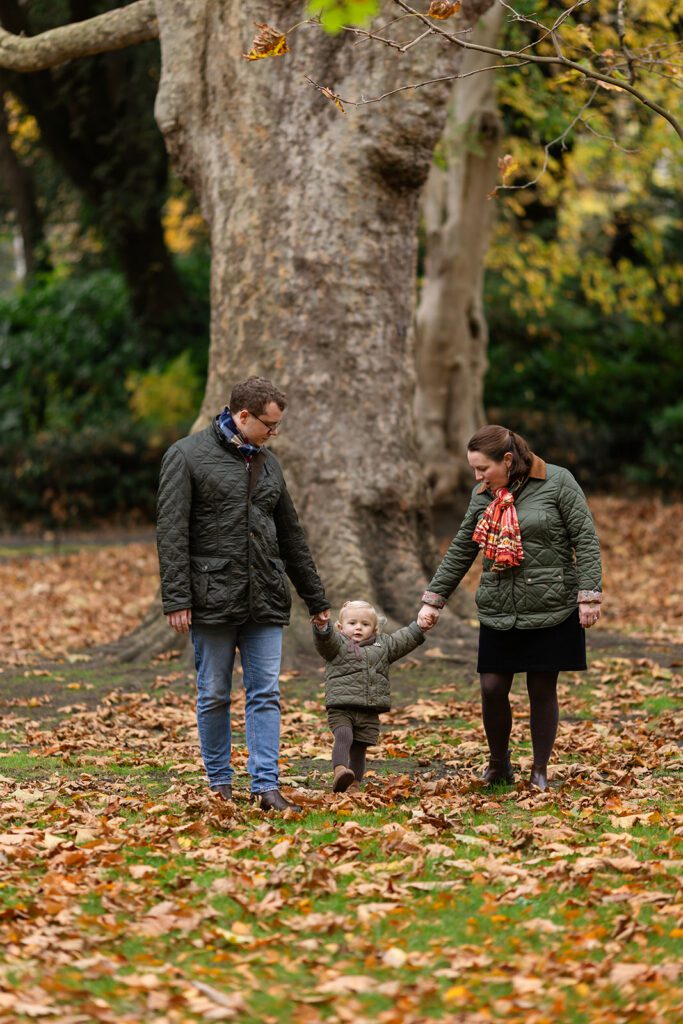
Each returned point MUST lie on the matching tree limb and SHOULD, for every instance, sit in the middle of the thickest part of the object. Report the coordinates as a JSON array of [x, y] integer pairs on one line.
[[113, 30], [564, 62]]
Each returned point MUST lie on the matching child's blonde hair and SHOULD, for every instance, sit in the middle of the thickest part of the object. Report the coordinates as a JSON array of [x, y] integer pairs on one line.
[[348, 605]]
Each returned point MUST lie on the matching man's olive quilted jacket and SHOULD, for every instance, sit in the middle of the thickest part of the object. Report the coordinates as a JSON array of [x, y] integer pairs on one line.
[[228, 535], [561, 555], [359, 677]]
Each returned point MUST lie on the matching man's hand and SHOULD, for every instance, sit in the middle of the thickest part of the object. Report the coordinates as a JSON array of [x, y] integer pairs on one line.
[[180, 621], [427, 617], [589, 614], [320, 619]]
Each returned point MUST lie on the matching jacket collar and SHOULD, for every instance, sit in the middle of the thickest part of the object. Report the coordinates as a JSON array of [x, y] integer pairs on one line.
[[538, 471]]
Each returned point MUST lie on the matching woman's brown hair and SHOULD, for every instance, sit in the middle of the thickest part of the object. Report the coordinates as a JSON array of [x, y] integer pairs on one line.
[[495, 442]]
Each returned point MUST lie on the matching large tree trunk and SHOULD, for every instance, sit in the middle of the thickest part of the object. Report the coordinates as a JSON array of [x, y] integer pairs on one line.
[[452, 335], [313, 222]]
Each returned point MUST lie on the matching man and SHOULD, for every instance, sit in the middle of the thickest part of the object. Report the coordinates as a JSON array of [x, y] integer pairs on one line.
[[227, 532]]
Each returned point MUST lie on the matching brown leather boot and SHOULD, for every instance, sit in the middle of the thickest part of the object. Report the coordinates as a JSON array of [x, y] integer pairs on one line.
[[499, 771], [224, 792], [343, 778], [273, 800], [539, 777]]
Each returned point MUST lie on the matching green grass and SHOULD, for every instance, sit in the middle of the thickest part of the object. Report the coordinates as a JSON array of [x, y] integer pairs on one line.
[[523, 913]]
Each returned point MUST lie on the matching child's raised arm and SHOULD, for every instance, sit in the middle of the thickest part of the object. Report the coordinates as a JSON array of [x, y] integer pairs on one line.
[[404, 640], [327, 641]]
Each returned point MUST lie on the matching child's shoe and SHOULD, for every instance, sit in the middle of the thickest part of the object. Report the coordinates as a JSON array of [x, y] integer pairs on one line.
[[343, 778]]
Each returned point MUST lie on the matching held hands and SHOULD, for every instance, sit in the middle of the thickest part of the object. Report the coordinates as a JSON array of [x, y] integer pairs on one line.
[[180, 621], [588, 614], [320, 619], [427, 617]]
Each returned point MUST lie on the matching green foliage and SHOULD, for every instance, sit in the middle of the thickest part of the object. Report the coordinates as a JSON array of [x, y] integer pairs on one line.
[[664, 453], [69, 342], [585, 277], [65, 344], [75, 445], [75, 479], [166, 398], [334, 14]]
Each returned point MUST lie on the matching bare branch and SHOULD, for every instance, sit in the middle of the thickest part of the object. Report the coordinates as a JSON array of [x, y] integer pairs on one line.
[[560, 138], [586, 72], [607, 138], [417, 85], [621, 28], [113, 30]]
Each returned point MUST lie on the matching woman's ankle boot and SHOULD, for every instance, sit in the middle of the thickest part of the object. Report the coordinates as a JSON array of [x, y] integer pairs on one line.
[[539, 777], [499, 770]]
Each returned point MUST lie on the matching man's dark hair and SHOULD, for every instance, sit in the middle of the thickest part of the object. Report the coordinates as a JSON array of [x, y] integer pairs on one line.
[[254, 394]]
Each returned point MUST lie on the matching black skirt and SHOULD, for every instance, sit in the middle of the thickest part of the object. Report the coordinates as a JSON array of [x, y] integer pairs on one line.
[[559, 648]]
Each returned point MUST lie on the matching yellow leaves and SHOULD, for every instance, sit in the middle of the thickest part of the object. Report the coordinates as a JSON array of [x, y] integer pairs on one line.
[[507, 165], [183, 227], [268, 42], [442, 9], [456, 995]]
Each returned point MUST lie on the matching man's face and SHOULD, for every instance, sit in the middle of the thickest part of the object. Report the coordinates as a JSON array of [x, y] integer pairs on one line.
[[259, 429]]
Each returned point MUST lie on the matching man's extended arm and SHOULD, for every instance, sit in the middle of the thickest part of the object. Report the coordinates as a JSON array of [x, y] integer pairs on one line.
[[174, 501], [297, 557]]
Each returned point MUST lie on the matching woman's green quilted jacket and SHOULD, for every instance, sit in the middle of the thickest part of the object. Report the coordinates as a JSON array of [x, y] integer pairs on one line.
[[561, 555]]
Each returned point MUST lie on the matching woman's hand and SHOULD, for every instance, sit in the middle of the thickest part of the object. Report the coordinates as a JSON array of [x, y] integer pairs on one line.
[[427, 617], [589, 614]]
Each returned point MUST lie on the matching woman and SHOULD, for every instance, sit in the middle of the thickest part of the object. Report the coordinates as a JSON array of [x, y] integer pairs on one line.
[[540, 588]]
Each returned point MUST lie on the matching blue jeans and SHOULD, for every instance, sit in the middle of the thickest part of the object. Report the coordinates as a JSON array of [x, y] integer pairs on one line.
[[260, 649]]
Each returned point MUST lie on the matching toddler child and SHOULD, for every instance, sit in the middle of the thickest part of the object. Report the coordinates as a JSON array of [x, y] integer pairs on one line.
[[357, 683]]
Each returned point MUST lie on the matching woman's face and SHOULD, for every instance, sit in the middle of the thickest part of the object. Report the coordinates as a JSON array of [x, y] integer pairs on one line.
[[493, 474]]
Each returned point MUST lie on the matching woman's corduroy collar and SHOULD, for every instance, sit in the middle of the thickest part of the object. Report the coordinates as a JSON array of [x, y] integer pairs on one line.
[[538, 471]]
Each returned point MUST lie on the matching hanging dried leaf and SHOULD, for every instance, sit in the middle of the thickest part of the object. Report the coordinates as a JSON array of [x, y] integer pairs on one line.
[[507, 165], [610, 87], [333, 96], [269, 42], [442, 9]]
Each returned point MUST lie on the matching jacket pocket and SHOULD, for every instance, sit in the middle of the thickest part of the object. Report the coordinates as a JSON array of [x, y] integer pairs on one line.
[[210, 581], [487, 597], [540, 590], [280, 585]]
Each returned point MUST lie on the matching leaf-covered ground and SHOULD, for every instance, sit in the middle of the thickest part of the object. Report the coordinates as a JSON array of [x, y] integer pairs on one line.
[[129, 894]]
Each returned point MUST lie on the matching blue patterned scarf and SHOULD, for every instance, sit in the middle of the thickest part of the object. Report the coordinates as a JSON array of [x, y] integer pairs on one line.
[[228, 429]]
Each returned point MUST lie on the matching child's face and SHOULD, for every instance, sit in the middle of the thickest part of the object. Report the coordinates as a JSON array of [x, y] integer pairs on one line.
[[358, 624]]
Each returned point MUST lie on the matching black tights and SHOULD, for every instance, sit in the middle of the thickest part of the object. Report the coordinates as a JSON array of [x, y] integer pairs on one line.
[[543, 716], [348, 751]]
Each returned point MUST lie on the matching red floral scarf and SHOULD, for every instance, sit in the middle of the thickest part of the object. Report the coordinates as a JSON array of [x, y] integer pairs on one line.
[[497, 532]]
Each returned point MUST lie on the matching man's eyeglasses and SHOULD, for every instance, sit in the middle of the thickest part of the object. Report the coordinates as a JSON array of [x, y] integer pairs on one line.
[[272, 428]]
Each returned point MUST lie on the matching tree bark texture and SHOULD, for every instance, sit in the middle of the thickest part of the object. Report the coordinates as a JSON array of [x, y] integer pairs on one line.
[[452, 335], [313, 217]]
